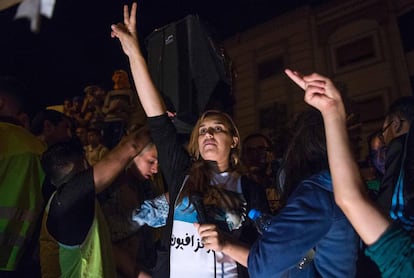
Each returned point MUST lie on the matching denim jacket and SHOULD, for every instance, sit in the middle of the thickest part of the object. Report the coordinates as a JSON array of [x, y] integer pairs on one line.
[[310, 219]]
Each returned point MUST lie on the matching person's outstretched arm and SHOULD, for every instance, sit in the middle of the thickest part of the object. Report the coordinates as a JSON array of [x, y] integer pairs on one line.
[[148, 94], [349, 191], [107, 169]]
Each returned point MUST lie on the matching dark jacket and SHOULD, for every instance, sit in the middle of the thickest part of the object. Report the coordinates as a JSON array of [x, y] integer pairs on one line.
[[396, 195], [392, 170]]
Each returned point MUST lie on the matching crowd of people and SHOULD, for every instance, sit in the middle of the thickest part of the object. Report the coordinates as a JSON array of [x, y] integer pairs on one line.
[[105, 189]]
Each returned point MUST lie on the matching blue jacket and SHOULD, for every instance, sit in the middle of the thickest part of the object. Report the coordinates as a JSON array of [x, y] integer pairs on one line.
[[310, 219]]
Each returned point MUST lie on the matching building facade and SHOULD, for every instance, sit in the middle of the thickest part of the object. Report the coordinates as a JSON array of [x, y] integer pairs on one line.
[[364, 46]]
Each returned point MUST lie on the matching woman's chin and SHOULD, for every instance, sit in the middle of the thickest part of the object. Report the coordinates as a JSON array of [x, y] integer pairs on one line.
[[210, 155]]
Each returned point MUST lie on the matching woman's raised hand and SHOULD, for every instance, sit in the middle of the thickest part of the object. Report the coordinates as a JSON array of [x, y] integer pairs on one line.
[[320, 92], [126, 32]]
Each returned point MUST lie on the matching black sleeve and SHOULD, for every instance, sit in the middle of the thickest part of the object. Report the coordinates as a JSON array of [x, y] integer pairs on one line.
[[72, 209], [255, 197], [173, 158]]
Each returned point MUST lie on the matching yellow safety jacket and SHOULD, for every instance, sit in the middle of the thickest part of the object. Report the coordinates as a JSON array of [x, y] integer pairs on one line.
[[92, 258], [21, 178]]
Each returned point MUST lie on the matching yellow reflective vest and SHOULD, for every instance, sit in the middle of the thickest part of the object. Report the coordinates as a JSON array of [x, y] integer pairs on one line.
[[93, 258], [21, 178]]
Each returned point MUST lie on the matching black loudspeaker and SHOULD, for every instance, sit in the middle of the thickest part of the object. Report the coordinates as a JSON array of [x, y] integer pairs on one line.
[[189, 69]]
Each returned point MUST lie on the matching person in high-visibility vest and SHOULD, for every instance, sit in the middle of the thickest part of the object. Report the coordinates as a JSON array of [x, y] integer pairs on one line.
[[21, 178], [74, 238]]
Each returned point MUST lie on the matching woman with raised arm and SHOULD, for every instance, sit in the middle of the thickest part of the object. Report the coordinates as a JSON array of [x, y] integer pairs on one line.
[[203, 183], [310, 235], [388, 245]]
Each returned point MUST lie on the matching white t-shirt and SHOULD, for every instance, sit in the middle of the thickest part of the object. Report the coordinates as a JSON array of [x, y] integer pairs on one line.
[[189, 258]]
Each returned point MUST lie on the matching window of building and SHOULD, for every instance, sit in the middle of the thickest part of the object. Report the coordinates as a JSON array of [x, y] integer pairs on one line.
[[405, 23], [412, 82], [270, 67], [357, 52], [371, 109], [273, 121]]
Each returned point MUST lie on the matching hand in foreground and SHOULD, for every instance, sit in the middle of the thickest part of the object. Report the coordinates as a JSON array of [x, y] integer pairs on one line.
[[126, 31], [137, 139], [320, 92], [211, 237]]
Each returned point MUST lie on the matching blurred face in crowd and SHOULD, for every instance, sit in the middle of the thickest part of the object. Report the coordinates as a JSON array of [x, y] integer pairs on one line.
[[256, 152], [394, 126], [120, 79], [100, 95], [77, 105], [67, 105], [57, 133], [9, 106], [90, 96], [146, 163], [82, 134], [94, 138]]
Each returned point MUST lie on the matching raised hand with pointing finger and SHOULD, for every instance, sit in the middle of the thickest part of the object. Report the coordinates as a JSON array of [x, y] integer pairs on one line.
[[320, 92], [388, 245]]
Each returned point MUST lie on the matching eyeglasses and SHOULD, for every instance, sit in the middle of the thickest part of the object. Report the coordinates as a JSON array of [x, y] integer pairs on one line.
[[381, 133]]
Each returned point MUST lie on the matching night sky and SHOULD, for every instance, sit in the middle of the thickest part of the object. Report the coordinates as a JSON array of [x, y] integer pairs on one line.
[[74, 48]]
